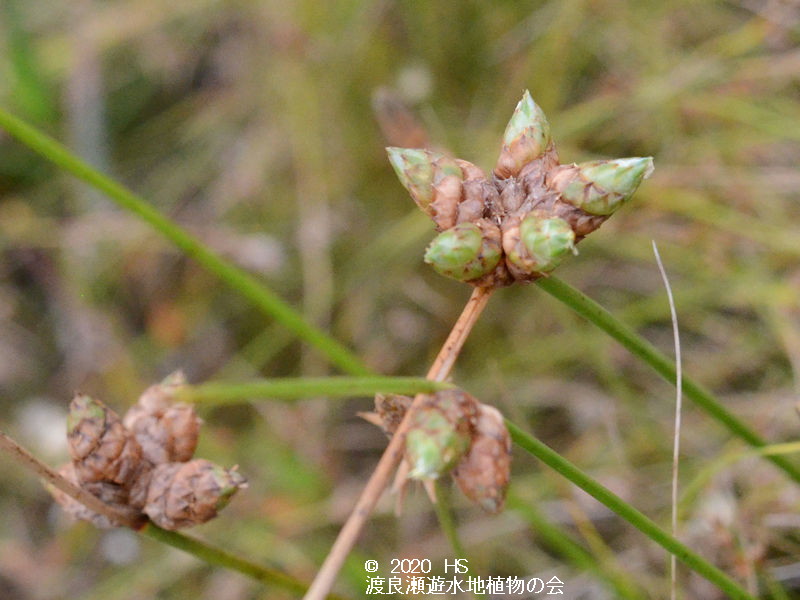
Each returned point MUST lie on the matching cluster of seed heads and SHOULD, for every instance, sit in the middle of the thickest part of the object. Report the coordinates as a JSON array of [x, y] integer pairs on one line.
[[451, 432], [515, 226], [144, 461], [519, 224]]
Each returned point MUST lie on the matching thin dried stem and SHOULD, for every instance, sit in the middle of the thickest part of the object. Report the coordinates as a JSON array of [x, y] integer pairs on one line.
[[131, 518], [440, 369], [676, 445]]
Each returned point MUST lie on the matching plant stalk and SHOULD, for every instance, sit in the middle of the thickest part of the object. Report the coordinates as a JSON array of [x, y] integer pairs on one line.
[[20, 455], [439, 370], [291, 388]]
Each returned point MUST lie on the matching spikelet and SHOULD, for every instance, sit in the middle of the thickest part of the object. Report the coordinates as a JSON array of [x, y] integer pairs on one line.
[[466, 252], [166, 430], [102, 449], [440, 433], [526, 138], [537, 245], [483, 474], [185, 494]]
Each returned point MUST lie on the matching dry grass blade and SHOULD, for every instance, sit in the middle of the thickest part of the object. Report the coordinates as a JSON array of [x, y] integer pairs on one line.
[[676, 444]]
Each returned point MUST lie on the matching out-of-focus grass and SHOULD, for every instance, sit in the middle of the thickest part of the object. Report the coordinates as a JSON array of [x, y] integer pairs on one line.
[[250, 124]]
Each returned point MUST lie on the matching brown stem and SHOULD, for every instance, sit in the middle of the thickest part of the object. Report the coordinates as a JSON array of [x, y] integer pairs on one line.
[[391, 457], [130, 518]]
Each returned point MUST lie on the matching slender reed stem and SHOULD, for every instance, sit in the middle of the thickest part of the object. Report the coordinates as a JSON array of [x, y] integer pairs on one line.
[[292, 388], [696, 562], [642, 349], [393, 454], [20, 455], [247, 285]]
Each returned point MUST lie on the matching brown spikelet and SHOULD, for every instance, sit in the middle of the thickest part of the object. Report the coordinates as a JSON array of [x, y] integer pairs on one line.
[[185, 494], [483, 474], [102, 449], [167, 431]]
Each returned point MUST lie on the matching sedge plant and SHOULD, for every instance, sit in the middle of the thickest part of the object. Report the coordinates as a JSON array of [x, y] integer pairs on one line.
[[513, 226]]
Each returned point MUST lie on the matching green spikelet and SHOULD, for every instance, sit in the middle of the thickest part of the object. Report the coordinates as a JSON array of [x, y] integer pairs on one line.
[[526, 138], [440, 434], [464, 252], [600, 187], [420, 171], [538, 244]]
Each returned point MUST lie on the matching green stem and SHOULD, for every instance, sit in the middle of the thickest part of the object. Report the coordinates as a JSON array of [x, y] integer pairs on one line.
[[447, 524], [642, 349], [222, 558], [446, 521], [627, 512], [247, 285], [290, 388]]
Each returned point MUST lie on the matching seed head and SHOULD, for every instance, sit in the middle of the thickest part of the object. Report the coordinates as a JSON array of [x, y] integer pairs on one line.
[[542, 208]]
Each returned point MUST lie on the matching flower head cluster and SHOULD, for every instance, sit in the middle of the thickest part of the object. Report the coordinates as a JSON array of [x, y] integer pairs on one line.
[[520, 223], [144, 461], [451, 432]]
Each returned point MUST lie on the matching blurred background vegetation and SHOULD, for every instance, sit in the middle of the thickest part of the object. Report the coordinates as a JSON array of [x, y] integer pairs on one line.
[[250, 123]]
